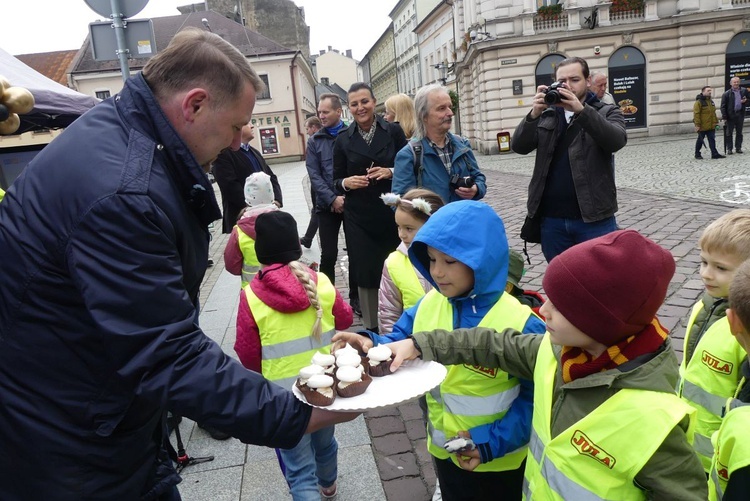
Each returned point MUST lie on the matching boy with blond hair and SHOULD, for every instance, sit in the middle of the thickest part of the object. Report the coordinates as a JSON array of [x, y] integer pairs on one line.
[[710, 369], [606, 421], [730, 473]]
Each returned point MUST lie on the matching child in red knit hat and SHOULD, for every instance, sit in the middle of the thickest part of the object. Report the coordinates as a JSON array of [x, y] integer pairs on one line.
[[606, 422]]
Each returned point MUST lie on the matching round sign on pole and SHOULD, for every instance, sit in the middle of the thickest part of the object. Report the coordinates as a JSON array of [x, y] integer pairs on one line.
[[129, 8]]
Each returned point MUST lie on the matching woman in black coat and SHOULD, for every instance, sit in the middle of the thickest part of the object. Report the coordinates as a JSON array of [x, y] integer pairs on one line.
[[363, 159]]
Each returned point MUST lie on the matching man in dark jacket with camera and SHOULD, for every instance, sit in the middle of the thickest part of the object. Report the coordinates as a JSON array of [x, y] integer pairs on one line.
[[572, 192], [103, 248]]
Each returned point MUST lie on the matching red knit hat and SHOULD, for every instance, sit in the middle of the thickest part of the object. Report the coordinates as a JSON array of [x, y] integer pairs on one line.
[[610, 287]]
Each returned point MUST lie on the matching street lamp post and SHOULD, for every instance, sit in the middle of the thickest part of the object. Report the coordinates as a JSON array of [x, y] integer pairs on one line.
[[444, 70]]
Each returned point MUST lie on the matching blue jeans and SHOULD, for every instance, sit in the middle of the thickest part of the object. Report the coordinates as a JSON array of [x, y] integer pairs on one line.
[[559, 234], [312, 462]]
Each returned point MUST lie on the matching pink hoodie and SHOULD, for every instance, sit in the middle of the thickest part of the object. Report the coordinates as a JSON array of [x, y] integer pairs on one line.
[[278, 288]]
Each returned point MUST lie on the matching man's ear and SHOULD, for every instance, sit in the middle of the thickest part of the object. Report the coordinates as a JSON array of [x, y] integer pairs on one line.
[[194, 102], [735, 324]]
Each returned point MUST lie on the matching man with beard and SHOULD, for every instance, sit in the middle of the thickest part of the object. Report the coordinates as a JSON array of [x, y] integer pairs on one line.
[[436, 159], [572, 192]]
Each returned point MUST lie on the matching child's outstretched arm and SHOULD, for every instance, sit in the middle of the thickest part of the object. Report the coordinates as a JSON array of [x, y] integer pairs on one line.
[[364, 340], [513, 431], [509, 350]]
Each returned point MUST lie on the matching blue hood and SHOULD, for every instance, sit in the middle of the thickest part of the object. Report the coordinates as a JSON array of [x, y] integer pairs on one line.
[[472, 233]]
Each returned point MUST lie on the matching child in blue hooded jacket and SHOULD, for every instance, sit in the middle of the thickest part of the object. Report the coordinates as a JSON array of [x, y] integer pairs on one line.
[[463, 251]]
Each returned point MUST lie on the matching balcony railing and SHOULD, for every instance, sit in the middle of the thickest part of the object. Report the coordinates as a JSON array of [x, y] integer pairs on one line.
[[634, 14], [554, 23], [740, 2]]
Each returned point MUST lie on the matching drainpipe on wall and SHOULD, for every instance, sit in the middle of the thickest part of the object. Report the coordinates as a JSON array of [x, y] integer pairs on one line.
[[292, 67], [455, 75]]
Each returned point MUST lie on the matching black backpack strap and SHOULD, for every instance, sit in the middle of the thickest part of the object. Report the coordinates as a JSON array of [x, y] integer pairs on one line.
[[417, 152]]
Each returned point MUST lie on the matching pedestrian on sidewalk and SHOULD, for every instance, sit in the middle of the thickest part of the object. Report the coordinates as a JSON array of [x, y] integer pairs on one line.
[[329, 204], [572, 192], [312, 126], [704, 118], [239, 254], [401, 285], [399, 109], [288, 313], [733, 103], [101, 271], [231, 168], [363, 159]]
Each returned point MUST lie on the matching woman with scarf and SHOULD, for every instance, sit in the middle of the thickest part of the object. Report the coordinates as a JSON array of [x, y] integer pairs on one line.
[[363, 159]]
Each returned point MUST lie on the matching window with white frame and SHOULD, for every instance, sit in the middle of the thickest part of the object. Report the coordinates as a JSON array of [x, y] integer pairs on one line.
[[266, 94]]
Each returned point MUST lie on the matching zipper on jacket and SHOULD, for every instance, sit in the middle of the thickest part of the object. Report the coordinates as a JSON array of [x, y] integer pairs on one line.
[[704, 328]]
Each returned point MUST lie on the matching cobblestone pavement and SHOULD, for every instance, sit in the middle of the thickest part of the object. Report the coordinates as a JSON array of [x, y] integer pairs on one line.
[[663, 192]]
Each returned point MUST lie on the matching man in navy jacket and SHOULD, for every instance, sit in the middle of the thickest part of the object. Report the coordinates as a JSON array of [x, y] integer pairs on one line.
[[103, 246]]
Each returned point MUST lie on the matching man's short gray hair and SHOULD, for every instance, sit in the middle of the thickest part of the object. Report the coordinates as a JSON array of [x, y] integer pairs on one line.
[[422, 106]]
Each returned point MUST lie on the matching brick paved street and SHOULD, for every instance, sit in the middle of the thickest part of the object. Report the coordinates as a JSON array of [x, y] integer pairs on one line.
[[663, 193]]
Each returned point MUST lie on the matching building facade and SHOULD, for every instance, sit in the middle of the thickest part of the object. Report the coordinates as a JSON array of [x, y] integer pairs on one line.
[[657, 55], [408, 70], [381, 61], [338, 68], [280, 111], [437, 52]]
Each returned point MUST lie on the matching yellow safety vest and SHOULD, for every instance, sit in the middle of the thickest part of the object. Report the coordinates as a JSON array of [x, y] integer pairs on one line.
[[708, 379], [250, 263], [405, 278], [470, 396], [596, 458], [731, 445], [285, 337], [2, 194]]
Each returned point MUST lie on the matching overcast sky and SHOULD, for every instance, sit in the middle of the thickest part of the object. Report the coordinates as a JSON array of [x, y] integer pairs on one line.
[[31, 26]]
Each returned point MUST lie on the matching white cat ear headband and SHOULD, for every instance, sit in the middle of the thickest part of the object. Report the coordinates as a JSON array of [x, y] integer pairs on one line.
[[393, 199]]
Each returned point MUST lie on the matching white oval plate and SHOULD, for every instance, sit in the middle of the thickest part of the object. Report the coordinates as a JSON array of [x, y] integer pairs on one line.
[[413, 379]]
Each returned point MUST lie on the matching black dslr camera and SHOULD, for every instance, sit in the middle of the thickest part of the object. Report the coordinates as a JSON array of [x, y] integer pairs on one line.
[[461, 182], [552, 95]]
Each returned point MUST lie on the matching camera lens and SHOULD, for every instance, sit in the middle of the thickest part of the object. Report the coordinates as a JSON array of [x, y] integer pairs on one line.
[[552, 97]]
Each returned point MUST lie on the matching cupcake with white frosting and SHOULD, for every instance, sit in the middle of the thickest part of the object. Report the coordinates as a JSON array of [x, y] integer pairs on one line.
[[320, 390], [379, 360], [352, 381], [328, 362], [306, 373]]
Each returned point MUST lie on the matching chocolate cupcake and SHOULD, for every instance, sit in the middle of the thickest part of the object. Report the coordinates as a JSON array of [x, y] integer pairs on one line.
[[320, 390], [379, 360], [305, 374], [352, 381]]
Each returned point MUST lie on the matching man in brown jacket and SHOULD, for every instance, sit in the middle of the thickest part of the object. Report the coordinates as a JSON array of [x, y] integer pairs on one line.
[[704, 118]]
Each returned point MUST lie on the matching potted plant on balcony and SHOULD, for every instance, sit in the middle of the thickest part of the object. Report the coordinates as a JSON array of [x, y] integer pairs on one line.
[[549, 12], [626, 5]]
